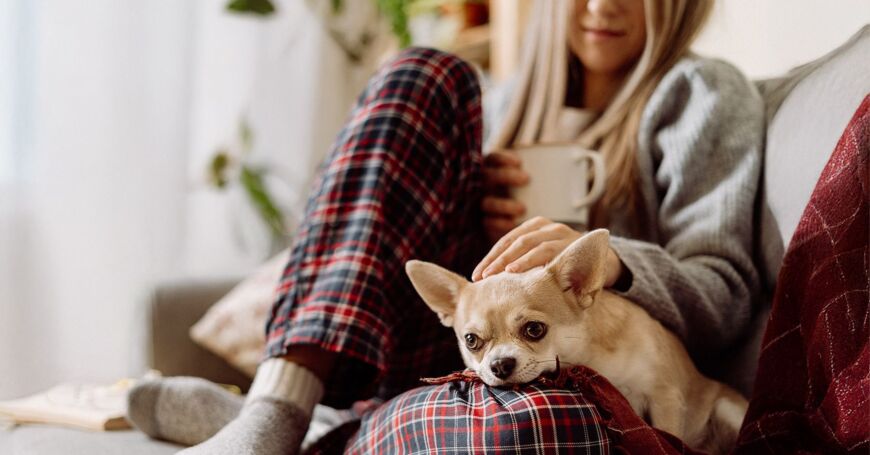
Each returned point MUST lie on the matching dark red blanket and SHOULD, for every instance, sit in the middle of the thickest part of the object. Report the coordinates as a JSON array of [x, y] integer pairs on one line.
[[813, 384]]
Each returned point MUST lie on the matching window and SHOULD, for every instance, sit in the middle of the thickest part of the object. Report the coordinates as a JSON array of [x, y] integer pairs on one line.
[[16, 57]]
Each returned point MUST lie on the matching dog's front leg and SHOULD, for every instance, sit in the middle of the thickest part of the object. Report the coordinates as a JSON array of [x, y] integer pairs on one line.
[[667, 411]]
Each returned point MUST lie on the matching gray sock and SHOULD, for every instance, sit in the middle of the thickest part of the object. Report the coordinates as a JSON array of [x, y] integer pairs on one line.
[[266, 426], [184, 410]]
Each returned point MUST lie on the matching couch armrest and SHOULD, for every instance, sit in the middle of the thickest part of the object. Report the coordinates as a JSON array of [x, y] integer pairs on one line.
[[174, 308]]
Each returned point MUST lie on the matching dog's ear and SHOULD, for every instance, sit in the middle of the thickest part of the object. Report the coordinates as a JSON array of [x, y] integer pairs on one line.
[[438, 287], [583, 265]]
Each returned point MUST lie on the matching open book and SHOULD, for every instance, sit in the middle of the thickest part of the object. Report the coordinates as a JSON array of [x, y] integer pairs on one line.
[[91, 407]]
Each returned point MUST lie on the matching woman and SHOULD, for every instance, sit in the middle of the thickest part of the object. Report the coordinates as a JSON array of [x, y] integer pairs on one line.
[[681, 136]]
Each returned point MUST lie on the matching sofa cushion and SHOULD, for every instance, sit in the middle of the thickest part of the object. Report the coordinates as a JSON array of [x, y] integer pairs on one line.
[[801, 135], [41, 439], [807, 110]]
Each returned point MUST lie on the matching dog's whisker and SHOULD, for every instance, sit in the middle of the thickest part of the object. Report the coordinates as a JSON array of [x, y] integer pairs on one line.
[[558, 361]]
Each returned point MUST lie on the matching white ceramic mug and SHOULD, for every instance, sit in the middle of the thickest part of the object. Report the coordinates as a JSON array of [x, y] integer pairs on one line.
[[559, 187]]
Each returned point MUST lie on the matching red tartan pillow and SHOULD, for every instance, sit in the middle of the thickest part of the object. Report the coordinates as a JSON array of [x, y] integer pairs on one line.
[[579, 411]]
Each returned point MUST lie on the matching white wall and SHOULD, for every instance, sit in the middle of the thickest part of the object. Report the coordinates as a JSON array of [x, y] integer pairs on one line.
[[98, 153], [767, 37], [109, 112]]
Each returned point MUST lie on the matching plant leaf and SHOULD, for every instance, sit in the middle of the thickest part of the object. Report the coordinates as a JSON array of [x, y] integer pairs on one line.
[[252, 182], [217, 169], [261, 7], [397, 13], [246, 136]]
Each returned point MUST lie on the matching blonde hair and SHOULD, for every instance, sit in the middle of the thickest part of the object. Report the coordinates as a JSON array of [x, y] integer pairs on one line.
[[671, 26]]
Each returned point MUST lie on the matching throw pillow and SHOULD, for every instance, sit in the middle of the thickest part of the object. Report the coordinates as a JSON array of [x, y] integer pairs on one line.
[[234, 327]]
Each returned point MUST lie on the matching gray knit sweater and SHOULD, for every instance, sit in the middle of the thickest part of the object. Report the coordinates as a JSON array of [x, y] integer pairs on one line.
[[699, 156]]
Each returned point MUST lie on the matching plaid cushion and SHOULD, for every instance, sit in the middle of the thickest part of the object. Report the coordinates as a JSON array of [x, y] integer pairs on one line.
[[469, 417], [578, 412], [401, 182]]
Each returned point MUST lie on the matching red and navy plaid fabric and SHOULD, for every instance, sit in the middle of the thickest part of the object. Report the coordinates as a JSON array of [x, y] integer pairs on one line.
[[464, 417], [401, 182], [812, 390], [578, 412]]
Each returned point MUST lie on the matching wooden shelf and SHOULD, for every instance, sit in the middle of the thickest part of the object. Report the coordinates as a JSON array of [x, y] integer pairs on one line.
[[495, 46], [474, 44]]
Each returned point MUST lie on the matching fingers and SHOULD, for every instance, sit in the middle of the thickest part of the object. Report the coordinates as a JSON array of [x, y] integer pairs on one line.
[[533, 243], [505, 242], [499, 158], [504, 176], [540, 255], [502, 207], [538, 244], [502, 168]]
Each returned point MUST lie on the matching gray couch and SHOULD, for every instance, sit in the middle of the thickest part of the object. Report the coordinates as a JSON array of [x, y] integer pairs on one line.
[[808, 109]]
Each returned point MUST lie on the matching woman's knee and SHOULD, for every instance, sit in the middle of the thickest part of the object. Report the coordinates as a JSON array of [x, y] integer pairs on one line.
[[439, 79], [431, 61], [422, 109]]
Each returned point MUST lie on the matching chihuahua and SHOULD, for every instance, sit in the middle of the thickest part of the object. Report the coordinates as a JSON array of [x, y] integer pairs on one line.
[[513, 327]]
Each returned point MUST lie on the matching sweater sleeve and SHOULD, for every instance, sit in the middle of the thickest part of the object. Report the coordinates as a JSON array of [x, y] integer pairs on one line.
[[700, 153]]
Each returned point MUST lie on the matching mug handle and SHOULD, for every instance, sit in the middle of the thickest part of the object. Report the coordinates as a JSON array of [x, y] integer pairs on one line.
[[597, 182]]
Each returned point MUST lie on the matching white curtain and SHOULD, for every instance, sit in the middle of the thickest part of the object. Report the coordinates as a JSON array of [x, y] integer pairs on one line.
[[109, 110]]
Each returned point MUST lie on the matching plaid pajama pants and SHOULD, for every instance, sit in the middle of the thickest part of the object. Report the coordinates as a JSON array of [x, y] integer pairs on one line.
[[464, 416], [403, 181]]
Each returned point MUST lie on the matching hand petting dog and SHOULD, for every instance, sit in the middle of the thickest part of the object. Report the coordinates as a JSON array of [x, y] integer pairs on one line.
[[535, 243]]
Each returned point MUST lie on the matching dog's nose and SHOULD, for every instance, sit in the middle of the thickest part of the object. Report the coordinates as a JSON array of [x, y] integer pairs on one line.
[[502, 368]]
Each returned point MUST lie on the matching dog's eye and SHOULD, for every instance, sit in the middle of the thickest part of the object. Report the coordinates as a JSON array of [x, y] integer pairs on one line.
[[472, 342], [534, 330]]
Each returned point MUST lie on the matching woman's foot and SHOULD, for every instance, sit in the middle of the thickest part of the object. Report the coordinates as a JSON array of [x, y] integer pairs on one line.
[[275, 416], [265, 426], [185, 410]]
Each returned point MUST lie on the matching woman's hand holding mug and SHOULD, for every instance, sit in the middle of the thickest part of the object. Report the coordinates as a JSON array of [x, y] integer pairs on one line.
[[502, 171]]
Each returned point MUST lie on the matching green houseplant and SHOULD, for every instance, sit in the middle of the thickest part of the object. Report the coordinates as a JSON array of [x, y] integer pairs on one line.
[[396, 11], [227, 167]]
